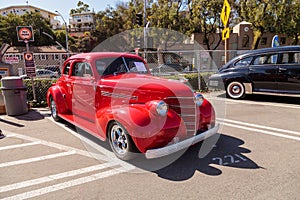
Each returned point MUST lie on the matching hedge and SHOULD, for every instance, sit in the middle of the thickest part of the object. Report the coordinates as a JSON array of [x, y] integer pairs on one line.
[[41, 87]]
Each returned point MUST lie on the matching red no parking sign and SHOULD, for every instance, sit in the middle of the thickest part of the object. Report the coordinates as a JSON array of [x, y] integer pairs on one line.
[[25, 33]]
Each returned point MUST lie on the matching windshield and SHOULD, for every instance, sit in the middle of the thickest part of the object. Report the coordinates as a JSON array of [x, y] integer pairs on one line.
[[114, 66]]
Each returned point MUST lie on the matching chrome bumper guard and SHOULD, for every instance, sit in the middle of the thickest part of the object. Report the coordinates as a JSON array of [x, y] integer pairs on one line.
[[167, 150]]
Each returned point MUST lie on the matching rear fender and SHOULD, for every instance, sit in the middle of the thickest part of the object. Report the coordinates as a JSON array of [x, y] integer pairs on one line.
[[56, 93]]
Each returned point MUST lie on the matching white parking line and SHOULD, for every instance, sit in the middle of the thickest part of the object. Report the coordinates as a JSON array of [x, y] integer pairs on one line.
[[109, 156], [282, 105], [41, 158], [262, 131], [49, 178], [55, 145], [19, 145], [259, 126], [60, 186]]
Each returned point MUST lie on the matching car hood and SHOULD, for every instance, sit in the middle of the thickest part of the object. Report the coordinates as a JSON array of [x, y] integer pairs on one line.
[[144, 87]]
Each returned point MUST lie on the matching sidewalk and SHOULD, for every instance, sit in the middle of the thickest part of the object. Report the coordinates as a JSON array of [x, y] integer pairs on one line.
[[35, 119]]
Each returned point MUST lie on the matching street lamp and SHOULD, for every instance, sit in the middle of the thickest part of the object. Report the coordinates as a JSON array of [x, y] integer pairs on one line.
[[67, 46]]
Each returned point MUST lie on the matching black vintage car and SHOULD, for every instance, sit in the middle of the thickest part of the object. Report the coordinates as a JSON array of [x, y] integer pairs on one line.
[[274, 71]]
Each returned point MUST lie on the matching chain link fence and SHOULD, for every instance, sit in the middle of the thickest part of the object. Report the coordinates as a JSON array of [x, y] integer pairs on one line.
[[194, 66]]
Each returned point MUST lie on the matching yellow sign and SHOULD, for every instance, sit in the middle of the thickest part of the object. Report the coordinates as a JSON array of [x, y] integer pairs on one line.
[[225, 33], [225, 13]]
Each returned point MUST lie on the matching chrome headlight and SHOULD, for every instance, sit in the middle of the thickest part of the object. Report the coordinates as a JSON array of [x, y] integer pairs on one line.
[[162, 108], [198, 99]]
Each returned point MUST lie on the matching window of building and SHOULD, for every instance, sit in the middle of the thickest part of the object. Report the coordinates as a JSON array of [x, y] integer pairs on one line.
[[44, 57], [263, 41], [245, 41], [283, 40]]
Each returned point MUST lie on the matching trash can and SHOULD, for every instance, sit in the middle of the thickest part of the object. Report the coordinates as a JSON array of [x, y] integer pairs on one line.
[[14, 92]]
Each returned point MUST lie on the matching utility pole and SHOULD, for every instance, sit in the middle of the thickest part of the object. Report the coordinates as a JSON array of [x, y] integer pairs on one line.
[[66, 26]]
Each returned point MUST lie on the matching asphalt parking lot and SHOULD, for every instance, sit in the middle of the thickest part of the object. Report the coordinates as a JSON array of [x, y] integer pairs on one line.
[[256, 156]]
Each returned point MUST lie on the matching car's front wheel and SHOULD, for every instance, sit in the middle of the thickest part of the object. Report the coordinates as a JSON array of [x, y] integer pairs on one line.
[[235, 90], [120, 141], [53, 108]]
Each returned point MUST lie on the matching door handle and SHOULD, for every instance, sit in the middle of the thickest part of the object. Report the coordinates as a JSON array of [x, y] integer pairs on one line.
[[282, 69]]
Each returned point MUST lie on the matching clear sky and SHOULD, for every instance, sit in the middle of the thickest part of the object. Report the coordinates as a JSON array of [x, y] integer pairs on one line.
[[63, 6]]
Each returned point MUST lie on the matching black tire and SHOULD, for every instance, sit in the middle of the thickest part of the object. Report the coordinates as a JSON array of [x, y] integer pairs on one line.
[[53, 108], [120, 142], [235, 90]]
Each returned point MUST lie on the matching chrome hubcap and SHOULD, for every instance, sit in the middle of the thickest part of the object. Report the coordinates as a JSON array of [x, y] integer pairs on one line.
[[53, 109], [119, 139], [236, 89]]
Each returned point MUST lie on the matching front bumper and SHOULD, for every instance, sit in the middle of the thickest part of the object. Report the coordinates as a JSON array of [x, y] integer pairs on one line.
[[167, 150]]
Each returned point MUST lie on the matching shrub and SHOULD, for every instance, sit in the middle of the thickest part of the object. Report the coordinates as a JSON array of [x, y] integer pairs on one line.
[[41, 87], [193, 80]]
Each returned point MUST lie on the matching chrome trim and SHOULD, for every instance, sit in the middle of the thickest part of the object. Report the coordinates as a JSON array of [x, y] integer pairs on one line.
[[167, 150], [188, 112], [123, 96], [248, 88], [278, 94]]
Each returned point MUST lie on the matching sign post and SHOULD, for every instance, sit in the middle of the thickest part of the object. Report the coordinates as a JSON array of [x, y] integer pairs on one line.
[[225, 14], [25, 34]]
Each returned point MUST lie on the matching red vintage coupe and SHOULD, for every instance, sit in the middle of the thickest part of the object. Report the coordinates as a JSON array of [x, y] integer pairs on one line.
[[113, 96]]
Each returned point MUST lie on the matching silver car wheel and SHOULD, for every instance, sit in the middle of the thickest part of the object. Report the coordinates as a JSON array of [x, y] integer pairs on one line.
[[235, 90], [119, 139], [53, 109]]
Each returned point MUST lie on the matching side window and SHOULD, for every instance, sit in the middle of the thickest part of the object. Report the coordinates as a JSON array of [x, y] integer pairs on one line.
[[244, 62], [82, 69], [291, 58], [114, 65], [265, 59], [66, 69]]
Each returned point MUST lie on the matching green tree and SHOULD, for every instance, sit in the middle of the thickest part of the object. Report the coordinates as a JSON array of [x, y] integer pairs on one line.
[[278, 16], [82, 7]]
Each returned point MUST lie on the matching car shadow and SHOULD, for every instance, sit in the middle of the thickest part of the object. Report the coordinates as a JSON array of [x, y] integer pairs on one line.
[[273, 99], [31, 115], [267, 99], [226, 152]]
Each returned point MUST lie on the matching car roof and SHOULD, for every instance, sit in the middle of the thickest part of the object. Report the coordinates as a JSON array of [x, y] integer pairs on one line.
[[263, 51], [96, 55], [273, 49]]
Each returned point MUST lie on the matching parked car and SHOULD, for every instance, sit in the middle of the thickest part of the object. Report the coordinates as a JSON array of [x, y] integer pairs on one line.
[[114, 96], [164, 61], [45, 73], [274, 71], [54, 69]]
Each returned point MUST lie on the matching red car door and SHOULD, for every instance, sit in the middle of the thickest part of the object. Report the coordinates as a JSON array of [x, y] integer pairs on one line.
[[83, 83], [65, 83]]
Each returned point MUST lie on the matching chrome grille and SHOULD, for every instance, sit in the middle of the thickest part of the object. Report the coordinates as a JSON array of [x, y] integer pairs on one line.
[[185, 107]]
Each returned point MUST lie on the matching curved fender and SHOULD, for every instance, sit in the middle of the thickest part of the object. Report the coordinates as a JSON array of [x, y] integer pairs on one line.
[[207, 113], [138, 121], [234, 76], [57, 95]]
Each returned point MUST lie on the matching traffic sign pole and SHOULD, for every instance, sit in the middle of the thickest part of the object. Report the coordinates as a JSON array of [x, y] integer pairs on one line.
[[25, 34], [226, 32]]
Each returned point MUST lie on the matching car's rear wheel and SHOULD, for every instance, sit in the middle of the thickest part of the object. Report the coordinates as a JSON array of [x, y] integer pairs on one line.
[[53, 108], [235, 90], [120, 142]]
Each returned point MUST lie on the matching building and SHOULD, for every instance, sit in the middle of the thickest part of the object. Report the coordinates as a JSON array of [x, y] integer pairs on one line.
[[44, 56], [23, 9], [81, 22]]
